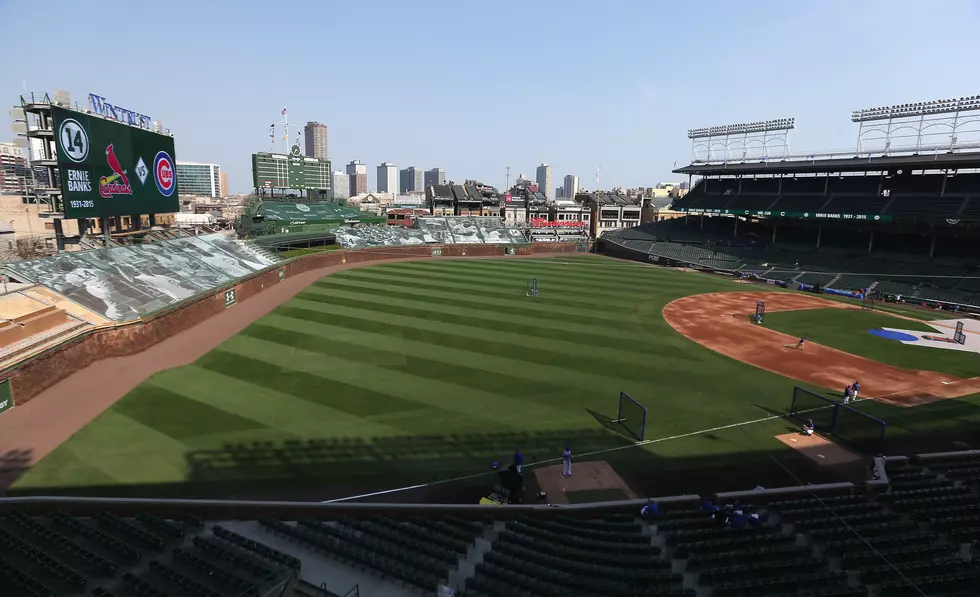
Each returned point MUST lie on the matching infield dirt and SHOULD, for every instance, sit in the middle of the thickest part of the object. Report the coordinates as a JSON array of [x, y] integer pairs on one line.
[[721, 321]]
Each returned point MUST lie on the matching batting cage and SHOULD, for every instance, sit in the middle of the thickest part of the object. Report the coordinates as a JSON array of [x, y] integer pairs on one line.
[[959, 336], [859, 430], [808, 406], [632, 416]]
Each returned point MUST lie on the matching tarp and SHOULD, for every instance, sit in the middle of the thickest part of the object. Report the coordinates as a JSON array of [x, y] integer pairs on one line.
[[433, 230], [306, 213], [125, 283]]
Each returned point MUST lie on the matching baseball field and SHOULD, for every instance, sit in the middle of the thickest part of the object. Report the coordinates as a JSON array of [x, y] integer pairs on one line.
[[422, 374]]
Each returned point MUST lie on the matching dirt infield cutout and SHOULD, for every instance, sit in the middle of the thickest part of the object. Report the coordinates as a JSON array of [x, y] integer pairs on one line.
[[586, 476], [819, 449], [720, 321]]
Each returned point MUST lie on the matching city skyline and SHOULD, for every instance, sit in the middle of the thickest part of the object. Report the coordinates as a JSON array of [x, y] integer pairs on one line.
[[387, 181], [629, 109], [315, 139]]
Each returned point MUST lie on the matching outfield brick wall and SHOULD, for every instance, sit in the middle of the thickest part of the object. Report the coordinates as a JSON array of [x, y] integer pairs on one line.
[[32, 376]]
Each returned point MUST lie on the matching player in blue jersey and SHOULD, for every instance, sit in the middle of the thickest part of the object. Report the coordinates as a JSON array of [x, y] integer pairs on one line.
[[801, 343], [566, 460], [855, 388]]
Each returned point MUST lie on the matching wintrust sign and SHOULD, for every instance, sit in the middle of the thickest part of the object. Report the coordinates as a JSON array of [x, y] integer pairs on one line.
[[99, 105]]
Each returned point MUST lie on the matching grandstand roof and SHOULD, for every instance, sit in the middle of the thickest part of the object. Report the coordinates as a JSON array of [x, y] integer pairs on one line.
[[854, 164]]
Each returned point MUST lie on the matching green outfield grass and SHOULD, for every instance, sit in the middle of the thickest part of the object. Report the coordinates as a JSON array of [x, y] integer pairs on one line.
[[403, 374], [847, 330]]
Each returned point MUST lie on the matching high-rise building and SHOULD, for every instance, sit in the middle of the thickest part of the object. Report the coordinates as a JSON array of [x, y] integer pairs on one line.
[[387, 178], [544, 180], [203, 180], [316, 140], [410, 180], [340, 185], [434, 176], [571, 186], [223, 177], [14, 171], [559, 192], [358, 178]]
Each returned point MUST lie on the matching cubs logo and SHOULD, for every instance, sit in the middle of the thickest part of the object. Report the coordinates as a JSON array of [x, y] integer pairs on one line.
[[164, 174], [117, 183]]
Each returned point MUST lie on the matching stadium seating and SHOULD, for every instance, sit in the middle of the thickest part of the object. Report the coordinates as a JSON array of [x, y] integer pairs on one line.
[[64, 555], [126, 283], [433, 230], [889, 271]]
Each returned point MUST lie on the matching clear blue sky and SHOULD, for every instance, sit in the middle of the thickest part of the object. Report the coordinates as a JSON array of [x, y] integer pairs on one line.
[[473, 87]]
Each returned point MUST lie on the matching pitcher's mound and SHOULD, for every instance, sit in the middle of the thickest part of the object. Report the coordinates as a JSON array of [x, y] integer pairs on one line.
[[819, 449], [586, 476]]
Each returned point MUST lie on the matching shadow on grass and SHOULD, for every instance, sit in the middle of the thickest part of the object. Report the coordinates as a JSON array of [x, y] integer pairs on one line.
[[456, 468], [610, 424]]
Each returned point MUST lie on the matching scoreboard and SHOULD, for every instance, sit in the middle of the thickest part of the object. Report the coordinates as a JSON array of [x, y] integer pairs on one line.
[[113, 169], [290, 171]]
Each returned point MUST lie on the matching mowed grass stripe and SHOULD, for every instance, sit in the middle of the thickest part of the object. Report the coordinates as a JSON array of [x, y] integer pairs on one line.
[[535, 380], [278, 410], [483, 287], [257, 369], [329, 295], [179, 417], [442, 332], [631, 280], [130, 451], [518, 301], [620, 289], [439, 394], [568, 278], [492, 323], [469, 377]]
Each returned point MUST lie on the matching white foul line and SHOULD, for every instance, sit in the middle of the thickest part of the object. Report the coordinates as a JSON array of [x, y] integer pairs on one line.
[[605, 451]]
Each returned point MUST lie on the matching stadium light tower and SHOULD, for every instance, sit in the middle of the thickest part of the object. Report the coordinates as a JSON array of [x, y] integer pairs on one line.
[[738, 141], [948, 118]]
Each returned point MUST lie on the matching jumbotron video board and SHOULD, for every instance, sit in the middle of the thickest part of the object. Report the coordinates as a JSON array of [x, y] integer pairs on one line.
[[113, 169]]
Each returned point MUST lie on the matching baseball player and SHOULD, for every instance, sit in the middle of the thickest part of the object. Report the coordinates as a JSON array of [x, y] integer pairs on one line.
[[519, 461], [847, 394], [854, 390], [808, 427], [801, 343], [566, 459]]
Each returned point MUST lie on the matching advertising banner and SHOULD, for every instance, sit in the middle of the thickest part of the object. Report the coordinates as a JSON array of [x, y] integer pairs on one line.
[[112, 169], [6, 397], [804, 215]]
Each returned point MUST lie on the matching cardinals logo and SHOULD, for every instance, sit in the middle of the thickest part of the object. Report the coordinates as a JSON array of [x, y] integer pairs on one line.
[[117, 183]]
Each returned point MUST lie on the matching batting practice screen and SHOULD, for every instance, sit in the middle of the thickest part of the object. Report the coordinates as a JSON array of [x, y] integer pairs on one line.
[[632, 416], [113, 169], [858, 429]]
